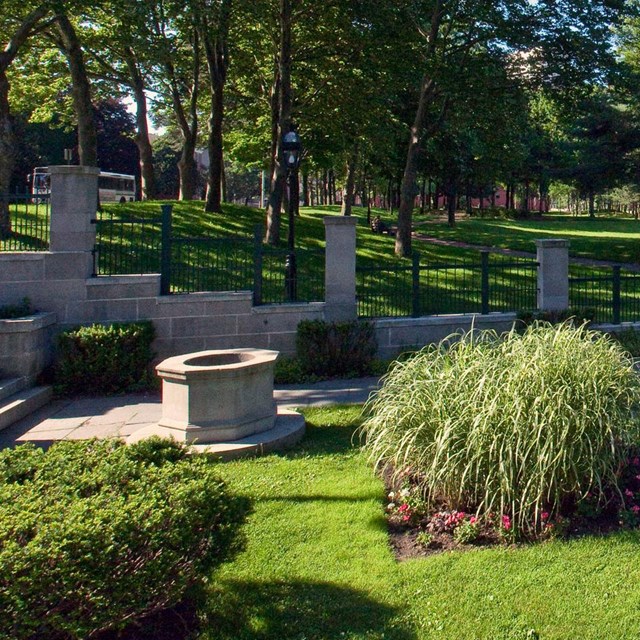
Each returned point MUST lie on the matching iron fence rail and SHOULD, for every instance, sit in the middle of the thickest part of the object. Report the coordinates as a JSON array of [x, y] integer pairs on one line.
[[191, 264], [24, 222], [126, 244], [605, 294], [480, 285]]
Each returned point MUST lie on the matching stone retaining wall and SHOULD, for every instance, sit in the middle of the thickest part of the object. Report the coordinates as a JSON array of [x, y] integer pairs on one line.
[[25, 345]]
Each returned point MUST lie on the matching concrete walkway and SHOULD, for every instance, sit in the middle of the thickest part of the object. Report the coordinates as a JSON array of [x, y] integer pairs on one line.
[[119, 416]]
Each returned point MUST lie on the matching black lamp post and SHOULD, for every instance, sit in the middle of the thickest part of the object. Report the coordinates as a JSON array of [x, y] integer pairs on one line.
[[291, 152]]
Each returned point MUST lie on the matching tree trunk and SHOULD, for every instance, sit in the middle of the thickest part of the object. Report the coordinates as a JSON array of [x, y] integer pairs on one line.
[[284, 124], [148, 190], [7, 141], [452, 197], [215, 46], [347, 198], [305, 187], [81, 93], [214, 144], [188, 125], [408, 188], [187, 169], [7, 153], [592, 200]]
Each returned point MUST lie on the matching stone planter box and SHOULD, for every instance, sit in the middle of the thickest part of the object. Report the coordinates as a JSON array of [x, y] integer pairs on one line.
[[26, 345]]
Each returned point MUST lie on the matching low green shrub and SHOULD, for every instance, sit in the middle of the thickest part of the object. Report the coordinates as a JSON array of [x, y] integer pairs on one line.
[[335, 349], [104, 358], [629, 340], [20, 310], [574, 316], [514, 425], [96, 534]]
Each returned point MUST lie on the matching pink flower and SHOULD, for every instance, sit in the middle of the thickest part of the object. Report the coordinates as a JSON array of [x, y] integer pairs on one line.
[[628, 493], [638, 477], [635, 509], [636, 461], [406, 518], [403, 507], [506, 523], [544, 515], [473, 520]]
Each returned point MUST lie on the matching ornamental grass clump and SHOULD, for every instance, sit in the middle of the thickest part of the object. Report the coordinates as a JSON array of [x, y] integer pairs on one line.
[[513, 425]]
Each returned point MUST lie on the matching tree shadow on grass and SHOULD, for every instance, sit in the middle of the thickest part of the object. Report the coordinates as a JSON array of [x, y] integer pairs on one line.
[[298, 609]]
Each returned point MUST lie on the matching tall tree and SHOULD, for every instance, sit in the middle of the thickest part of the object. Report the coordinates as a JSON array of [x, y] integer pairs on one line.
[[17, 25], [282, 97], [66, 36], [213, 21], [555, 41]]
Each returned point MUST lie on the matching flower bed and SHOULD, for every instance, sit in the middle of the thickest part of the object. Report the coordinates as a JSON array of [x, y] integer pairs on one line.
[[416, 530]]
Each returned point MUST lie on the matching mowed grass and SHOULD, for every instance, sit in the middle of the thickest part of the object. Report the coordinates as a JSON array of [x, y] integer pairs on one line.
[[318, 564], [603, 238]]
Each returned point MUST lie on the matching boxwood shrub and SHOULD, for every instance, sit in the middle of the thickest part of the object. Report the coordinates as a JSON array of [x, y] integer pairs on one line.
[[335, 349], [109, 358], [94, 535]]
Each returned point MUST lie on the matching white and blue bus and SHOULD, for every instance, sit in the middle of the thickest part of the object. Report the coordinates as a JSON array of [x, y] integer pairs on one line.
[[113, 187]]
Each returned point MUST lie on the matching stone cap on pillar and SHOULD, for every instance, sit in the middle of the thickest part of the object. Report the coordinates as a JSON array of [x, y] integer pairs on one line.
[[555, 243], [73, 169], [347, 221]]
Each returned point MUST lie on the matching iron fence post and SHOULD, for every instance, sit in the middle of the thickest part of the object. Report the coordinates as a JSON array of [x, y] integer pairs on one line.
[[165, 256], [484, 256], [616, 302], [415, 285], [257, 265]]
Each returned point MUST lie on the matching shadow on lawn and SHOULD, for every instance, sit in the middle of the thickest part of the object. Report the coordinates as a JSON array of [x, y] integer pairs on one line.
[[298, 609]]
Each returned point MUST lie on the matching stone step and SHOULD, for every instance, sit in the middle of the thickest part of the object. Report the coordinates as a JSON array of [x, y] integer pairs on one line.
[[22, 403], [9, 386]]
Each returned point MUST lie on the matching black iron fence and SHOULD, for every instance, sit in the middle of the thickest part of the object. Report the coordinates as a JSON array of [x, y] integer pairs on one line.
[[605, 294], [483, 284], [126, 244], [191, 264], [24, 222]]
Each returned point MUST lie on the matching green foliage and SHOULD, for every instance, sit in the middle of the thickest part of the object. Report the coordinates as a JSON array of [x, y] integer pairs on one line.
[[574, 316], [20, 310], [467, 531], [513, 425], [629, 340], [96, 534], [334, 349], [104, 358]]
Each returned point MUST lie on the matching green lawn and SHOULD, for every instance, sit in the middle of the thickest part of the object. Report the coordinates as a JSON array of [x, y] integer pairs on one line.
[[318, 565], [604, 238]]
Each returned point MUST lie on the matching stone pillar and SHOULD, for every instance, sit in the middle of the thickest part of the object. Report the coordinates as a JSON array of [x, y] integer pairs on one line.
[[74, 199], [340, 268], [553, 275]]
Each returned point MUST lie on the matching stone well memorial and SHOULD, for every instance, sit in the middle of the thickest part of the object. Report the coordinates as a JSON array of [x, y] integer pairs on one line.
[[222, 401]]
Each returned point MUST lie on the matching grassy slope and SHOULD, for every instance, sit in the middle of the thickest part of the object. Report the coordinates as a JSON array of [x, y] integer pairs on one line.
[[605, 238], [318, 564], [189, 220]]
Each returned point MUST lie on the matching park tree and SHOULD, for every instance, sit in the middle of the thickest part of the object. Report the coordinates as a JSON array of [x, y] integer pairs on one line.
[[560, 43], [122, 53], [18, 22], [213, 19], [602, 148]]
